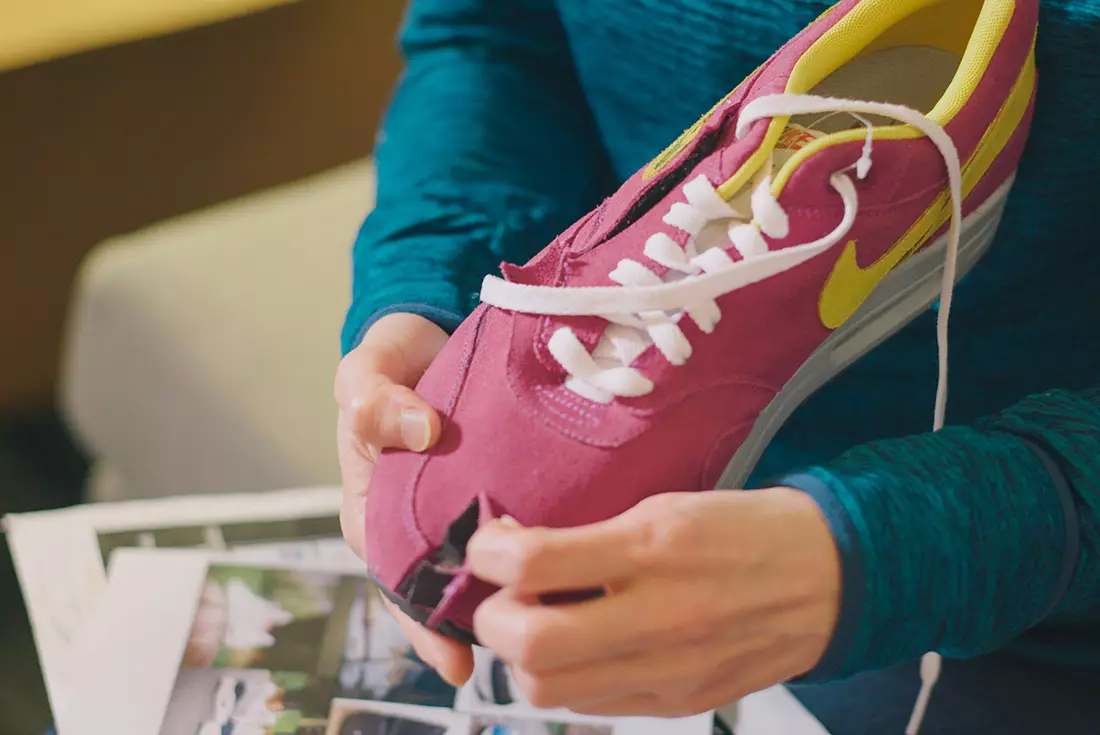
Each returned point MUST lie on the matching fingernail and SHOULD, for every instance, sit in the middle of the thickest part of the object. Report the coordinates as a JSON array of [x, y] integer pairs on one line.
[[509, 522], [429, 659], [435, 659], [446, 676], [415, 430], [492, 540]]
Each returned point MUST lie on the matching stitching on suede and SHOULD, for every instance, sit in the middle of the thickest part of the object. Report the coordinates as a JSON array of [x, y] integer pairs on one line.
[[617, 439], [597, 222], [580, 415], [884, 208], [902, 177], [592, 222], [452, 401], [566, 403], [607, 443], [578, 421], [712, 455], [541, 336]]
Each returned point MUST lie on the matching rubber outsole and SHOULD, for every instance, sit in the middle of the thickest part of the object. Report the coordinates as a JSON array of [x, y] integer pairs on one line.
[[446, 628]]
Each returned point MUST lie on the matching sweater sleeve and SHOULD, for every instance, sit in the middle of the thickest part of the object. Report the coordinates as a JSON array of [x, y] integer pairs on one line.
[[960, 541], [487, 152]]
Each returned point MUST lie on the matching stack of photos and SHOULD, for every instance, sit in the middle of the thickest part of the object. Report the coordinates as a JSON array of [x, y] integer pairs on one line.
[[270, 649]]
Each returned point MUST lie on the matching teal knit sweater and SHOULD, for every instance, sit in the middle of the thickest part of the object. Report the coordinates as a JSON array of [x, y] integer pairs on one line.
[[514, 117]]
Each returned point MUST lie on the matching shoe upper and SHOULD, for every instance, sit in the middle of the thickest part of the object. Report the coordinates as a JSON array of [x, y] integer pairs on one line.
[[521, 439]]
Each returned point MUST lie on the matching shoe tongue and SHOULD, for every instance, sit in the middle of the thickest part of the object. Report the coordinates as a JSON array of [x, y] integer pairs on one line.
[[799, 135], [620, 345], [794, 138]]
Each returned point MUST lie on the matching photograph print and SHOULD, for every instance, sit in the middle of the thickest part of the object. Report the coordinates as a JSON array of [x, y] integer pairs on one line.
[[290, 536], [270, 649]]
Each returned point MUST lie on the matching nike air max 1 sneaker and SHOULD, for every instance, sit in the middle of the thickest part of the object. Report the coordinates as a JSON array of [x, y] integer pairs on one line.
[[659, 343]]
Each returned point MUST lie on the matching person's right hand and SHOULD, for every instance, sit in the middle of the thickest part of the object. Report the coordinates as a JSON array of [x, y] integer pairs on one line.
[[378, 409]]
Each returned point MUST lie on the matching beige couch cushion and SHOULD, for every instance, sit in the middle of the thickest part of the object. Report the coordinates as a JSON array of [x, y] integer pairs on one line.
[[201, 352]]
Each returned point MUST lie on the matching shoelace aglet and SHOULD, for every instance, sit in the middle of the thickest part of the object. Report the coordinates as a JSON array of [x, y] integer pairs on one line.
[[930, 665], [863, 166]]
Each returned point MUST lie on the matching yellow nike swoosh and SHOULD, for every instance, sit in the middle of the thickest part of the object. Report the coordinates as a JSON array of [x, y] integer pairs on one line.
[[850, 284]]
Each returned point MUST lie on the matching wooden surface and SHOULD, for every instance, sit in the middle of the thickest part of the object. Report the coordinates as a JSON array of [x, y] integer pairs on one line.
[[107, 142], [32, 31]]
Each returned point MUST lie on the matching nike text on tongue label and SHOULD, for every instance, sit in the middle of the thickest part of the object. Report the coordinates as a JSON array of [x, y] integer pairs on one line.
[[796, 137]]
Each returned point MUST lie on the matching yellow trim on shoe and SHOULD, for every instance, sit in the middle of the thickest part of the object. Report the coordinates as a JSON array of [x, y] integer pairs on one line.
[[990, 28], [861, 29], [850, 284]]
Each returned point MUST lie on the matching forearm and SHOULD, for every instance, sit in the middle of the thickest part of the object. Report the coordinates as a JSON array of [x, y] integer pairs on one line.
[[488, 151], [959, 541]]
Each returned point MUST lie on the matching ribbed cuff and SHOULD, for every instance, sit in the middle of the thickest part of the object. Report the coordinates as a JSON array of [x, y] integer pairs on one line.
[[445, 319], [956, 542], [815, 484], [1071, 550]]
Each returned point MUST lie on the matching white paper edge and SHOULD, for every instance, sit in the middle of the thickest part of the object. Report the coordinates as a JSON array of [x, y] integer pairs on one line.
[[455, 722], [135, 643], [144, 636], [59, 566], [192, 509], [60, 569]]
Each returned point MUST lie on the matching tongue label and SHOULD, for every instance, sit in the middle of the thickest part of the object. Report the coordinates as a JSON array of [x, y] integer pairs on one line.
[[793, 139], [796, 137]]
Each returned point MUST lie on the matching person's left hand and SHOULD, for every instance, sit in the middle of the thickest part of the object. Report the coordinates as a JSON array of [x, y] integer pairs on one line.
[[710, 597]]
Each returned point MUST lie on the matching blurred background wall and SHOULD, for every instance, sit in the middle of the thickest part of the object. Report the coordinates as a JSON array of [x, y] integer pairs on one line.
[[107, 140], [120, 114]]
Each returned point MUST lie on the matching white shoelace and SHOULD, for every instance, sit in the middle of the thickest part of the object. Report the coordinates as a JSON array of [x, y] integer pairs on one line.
[[644, 310]]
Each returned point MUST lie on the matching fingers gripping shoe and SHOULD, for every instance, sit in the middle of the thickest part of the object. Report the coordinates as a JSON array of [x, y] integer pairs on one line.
[[659, 343]]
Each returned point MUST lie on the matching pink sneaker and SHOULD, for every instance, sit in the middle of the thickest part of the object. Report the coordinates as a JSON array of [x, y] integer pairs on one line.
[[660, 342]]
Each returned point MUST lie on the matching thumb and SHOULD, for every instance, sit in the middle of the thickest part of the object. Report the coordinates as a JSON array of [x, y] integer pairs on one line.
[[374, 384], [394, 416]]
